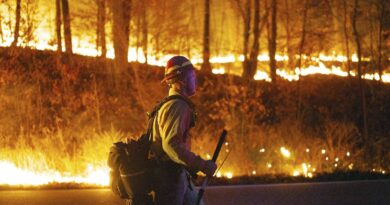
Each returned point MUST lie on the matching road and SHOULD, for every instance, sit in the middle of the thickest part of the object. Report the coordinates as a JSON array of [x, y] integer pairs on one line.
[[376, 192]]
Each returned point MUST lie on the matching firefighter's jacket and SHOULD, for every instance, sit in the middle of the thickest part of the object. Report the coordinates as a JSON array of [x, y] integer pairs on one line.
[[171, 138]]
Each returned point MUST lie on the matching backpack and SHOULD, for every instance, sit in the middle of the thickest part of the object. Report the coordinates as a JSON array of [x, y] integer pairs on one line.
[[131, 169]]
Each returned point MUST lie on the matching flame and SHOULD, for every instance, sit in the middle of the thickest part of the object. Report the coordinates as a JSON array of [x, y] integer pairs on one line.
[[296, 173], [261, 75], [229, 175], [285, 152], [219, 175], [83, 47], [12, 175], [218, 70]]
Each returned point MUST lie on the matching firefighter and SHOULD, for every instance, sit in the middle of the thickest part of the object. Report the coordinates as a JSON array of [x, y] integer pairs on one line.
[[171, 138]]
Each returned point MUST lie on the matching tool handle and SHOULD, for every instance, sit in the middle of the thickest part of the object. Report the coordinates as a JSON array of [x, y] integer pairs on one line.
[[219, 145], [215, 156]]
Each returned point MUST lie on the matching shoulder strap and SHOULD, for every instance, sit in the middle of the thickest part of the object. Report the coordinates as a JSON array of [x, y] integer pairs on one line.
[[169, 98]]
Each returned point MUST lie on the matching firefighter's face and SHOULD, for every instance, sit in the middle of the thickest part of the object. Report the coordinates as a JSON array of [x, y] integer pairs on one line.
[[191, 82]]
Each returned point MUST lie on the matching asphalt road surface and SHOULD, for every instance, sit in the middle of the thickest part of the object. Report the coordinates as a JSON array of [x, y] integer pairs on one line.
[[332, 193]]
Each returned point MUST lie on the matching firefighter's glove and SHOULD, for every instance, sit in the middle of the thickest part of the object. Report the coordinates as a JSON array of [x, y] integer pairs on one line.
[[209, 167]]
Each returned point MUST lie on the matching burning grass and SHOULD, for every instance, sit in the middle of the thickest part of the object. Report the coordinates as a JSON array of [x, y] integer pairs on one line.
[[58, 121]]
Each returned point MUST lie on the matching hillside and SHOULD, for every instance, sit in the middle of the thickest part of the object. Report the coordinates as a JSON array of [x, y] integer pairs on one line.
[[78, 108]]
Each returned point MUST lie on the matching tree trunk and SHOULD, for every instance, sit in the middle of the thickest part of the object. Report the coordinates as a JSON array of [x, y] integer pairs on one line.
[[145, 31], [138, 36], [272, 42], [381, 21], [206, 38], [67, 28], [100, 31], [58, 26], [17, 24], [360, 73], [346, 37], [301, 47], [247, 23], [288, 36], [371, 41], [255, 47], [1, 29], [121, 31]]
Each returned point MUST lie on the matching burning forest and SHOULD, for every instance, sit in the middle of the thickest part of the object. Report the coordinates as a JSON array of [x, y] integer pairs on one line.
[[301, 86]]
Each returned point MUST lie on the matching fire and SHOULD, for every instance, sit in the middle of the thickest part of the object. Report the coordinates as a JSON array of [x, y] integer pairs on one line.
[[261, 75], [12, 175], [285, 152], [218, 70], [229, 175], [86, 48]]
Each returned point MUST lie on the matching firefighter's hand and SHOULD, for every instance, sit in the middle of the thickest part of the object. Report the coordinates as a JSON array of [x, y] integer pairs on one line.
[[209, 167]]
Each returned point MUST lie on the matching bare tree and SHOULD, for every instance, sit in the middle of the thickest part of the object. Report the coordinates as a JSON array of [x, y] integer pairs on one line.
[[17, 23], [137, 15], [371, 31], [272, 41], [346, 36], [58, 26], [121, 31], [250, 72], [288, 34], [381, 5], [1, 29], [359, 64], [251, 53], [245, 13], [301, 47], [100, 31], [145, 31], [247, 28], [67, 28], [29, 21], [206, 38]]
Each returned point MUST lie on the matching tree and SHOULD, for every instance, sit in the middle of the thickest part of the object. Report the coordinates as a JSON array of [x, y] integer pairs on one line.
[[58, 26], [100, 31], [120, 31], [138, 16], [206, 38], [1, 29], [359, 65], [246, 17], [288, 34], [17, 24], [29, 21], [346, 36], [250, 72], [381, 6], [145, 31], [67, 28], [247, 27], [301, 47], [272, 41]]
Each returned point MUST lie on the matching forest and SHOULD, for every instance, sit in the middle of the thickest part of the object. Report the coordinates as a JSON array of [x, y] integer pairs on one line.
[[301, 86]]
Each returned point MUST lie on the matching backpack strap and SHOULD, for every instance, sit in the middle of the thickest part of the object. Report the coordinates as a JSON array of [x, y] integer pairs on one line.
[[169, 98]]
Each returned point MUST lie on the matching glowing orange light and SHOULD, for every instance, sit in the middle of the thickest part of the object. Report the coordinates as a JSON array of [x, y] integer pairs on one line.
[[229, 175], [285, 152], [12, 175]]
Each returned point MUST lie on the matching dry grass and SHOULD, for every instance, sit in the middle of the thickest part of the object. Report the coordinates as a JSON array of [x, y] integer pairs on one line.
[[65, 118]]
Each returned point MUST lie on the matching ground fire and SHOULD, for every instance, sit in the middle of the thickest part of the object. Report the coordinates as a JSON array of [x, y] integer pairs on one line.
[[60, 112]]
